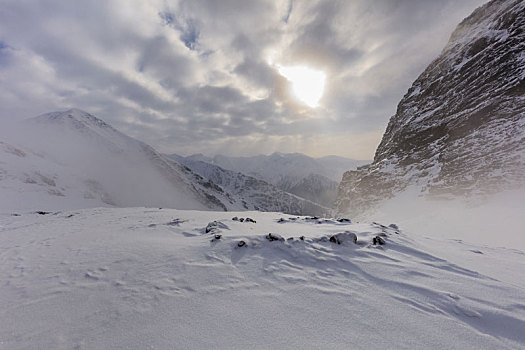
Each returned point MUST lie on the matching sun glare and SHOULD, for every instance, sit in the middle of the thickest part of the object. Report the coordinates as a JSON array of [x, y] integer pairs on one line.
[[307, 83]]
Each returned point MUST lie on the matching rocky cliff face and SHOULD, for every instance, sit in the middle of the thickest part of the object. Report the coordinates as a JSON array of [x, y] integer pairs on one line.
[[460, 128]]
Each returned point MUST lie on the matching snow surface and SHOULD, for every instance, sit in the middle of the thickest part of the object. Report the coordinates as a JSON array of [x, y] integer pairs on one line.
[[142, 278], [494, 220]]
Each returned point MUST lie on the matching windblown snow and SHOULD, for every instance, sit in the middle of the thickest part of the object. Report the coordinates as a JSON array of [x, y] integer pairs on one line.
[[143, 278]]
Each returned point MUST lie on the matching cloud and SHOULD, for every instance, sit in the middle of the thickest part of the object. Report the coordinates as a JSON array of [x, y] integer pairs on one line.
[[195, 75]]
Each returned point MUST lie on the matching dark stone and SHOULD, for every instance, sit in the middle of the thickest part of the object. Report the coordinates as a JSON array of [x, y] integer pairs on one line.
[[378, 240], [343, 237], [251, 220], [177, 222], [43, 212], [274, 237], [241, 244], [334, 239]]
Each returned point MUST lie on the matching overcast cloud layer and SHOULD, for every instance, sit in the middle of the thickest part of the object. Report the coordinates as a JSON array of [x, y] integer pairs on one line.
[[201, 75]]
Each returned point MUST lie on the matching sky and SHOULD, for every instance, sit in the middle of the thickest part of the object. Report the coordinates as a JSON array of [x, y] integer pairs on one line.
[[204, 76]]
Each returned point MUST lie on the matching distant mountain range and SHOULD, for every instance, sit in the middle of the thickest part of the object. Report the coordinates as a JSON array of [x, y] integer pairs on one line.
[[72, 159], [315, 179]]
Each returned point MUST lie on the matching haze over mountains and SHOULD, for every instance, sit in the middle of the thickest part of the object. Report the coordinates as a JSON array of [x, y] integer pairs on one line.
[[72, 159], [458, 138], [315, 179]]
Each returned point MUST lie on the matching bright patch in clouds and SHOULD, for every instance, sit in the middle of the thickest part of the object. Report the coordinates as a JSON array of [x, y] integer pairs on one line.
[[307, 84]]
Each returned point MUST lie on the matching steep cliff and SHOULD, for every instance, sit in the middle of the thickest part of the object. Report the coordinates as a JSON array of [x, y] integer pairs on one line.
[[460, 128]]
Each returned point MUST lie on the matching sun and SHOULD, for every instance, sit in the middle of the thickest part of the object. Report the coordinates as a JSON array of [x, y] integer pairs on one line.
[[307, 83]]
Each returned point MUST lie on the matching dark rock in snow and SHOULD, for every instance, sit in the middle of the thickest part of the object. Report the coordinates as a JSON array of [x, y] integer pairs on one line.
[[394, 226], [241, 244], [175, 222], [235, 218], [378, 240], [334, 239], [251, 220], [214, 226], [343, 237], [40, 212], [274, 237]]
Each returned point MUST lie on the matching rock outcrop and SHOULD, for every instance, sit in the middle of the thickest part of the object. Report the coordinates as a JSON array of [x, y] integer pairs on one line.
[[460, 128]]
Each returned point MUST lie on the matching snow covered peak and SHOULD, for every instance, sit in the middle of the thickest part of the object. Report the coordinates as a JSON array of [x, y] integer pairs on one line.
[[73, 159], [493, 19], [74, 117]]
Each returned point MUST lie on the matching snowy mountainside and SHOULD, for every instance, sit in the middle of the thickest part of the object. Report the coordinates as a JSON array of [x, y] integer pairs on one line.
[[72, 159], [315, 187], [273, 168], [315, 179], [252, 193], [460, 128], [135, 278]]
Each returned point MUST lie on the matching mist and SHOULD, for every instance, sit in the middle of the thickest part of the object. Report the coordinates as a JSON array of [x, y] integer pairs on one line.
[[64, 166], [491, 220]]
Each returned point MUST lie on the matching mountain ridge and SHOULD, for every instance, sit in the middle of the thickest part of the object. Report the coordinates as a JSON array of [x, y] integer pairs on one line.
[[72, 159], [459, 130], [315, 179]]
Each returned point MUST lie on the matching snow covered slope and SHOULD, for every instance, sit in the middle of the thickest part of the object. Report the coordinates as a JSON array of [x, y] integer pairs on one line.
[[460, 129], [72, 159], [315, 179], [252, 193], [139, 278]]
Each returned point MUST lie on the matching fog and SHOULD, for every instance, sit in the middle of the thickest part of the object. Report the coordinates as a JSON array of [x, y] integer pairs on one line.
[[495, 220], [65, 166]]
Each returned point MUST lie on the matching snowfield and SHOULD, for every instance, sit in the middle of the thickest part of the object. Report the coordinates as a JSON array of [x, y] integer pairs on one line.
[[142, 278]]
